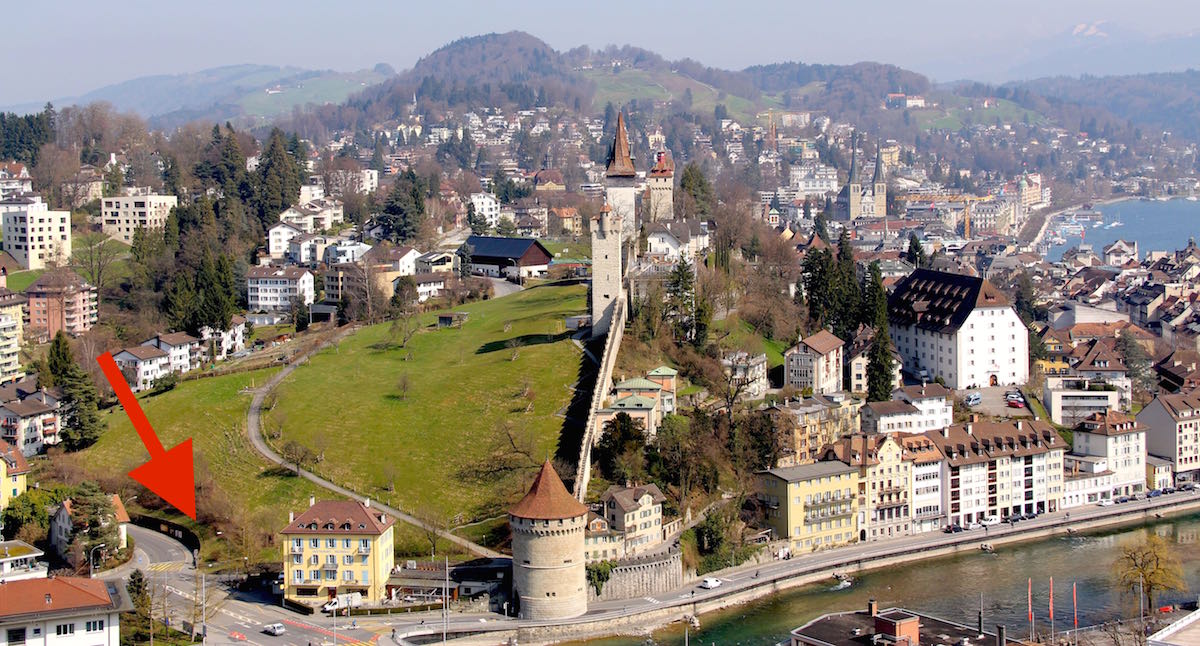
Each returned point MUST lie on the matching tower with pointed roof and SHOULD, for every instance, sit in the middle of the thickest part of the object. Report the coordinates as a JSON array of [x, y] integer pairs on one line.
[[855, 201], [608, 285], [662, 188], [549, 575], [620, 179]]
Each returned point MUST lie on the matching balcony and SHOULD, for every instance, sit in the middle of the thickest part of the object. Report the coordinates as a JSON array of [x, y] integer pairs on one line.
[[329, 566], [295, 549], [364, 550]]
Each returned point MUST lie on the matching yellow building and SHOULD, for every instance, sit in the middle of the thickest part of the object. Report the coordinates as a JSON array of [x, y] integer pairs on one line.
[[1058, 348], [337, 547], [13, 469], [812, 506], [884, 483]]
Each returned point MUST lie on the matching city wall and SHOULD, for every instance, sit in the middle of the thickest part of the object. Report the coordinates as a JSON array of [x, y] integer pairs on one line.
[[608, 361], [642, 577]]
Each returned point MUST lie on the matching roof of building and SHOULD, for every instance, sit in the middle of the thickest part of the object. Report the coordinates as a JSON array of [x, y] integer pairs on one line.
[[633, 402], [14, 461], [822, 342], [859, 449], [57, 280], [497, 247], [637, 383], [548, 176], [27, 407], [548, 499], [1098, 355], [891, 407], [663, 371], [918, 447], [345, 516], [810, 471], [1176, 405], [290, 272], [940, 301], [144, 352], [119, 512], [16, 549], [982, 441], [925, 391], [859, 629], [664, 165], [58, 595], [175, 339], [628, 498], [620, 163]]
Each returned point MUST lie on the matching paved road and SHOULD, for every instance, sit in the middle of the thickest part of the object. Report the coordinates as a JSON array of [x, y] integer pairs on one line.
[[501, 287], [254, 428]]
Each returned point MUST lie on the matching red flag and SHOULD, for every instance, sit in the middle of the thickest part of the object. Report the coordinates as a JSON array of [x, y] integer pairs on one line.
[[1051, 598], [1031, 600], [1075, 605]]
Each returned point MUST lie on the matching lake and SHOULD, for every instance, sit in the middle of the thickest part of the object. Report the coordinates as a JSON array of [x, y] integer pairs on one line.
[[1156, 226]]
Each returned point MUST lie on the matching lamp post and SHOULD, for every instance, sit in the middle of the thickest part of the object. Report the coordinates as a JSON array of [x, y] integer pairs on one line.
[[92, 561]]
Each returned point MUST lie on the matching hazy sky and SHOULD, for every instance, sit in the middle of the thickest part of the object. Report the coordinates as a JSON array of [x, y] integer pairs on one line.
[[67, 47]]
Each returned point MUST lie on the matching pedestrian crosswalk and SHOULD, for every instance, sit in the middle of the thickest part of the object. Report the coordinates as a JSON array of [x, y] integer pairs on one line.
[[167, 566], [652, 600]]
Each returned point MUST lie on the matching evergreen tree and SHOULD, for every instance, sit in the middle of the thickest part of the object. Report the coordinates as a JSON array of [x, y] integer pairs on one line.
[[478, 223], [404, 211], [846, 298], [875, 297], [464, 260], [279, 177], [821, 227], [81, 425], [300, 314], [60, 359], [695, 185], [681, 299], [880, 367], [818, 282], [181, 305], [916, 253], [506, 228], [377, 162]]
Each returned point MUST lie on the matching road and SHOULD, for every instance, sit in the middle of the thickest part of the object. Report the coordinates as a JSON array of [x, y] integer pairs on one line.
[[501, 287]]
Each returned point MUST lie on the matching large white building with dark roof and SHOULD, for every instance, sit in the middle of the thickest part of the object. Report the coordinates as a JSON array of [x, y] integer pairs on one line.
[[960, 328]]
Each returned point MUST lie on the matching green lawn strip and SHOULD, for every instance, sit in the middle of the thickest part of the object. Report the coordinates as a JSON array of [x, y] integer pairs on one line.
[[462, 385]]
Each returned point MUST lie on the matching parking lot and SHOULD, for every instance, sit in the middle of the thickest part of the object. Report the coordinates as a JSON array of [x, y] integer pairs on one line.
[[994, 403]]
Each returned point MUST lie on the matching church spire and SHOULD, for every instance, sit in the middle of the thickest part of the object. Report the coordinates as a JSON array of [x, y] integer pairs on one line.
[[878, 178], [620, 164], [853, 157]]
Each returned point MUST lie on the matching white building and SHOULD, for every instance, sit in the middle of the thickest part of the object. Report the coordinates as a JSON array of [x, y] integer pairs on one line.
[[121, 216], [960, 328], [19, 560], [218, 344], [813, 180], [928, 514], [30, 423], [1069, 400], [63, 611], [320, 214], [279, 237], [272, 289], [345, 251], [143, 365], [1173, 432], [62, 529], [10, 349], [677, 238], [429, 285], [815, 362], [1121, 442], [33, 234], [487, 207], [183, 350], [1086, 481], [999, 468], [750, 371], [933, 402]]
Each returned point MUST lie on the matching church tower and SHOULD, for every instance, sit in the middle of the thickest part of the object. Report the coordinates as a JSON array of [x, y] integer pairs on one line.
[[662, 187], [853, 190], [608, 284], [878, 185], [620, 178]]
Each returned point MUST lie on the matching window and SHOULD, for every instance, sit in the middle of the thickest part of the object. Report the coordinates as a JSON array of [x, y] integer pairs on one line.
[[64, 629], [94, 626], [346, 543], [348, 560], [365, 578], [314, 542], [331, 542], [16, 636]]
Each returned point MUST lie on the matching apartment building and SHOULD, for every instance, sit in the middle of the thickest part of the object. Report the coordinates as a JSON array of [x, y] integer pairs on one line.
[[999, 468], [13, 471], [60, 300], [960, 328], [808, 425], [62, 611], [34, 235], [142, 366], [120, 217], [1121, 442], [815, 363], [884, 483], [219, 344], [636, 513], [928, 515], [279, 238], [337, 547], [29, 415], [183, 350], [1070, 399], [10, 349], [1173, 432], [273, 289], [486, 207], [812, 506]]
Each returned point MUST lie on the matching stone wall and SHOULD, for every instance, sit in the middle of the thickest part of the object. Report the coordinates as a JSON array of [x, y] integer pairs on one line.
[[608, 360], [642, 577]]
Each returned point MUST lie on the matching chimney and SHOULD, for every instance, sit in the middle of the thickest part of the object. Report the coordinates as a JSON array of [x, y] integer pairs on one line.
[[48, 601], [974, 417], [1001, 635], [946, 432], [3, 277], [367, 503], [969, 431], [1018, 425], [312, 500], [291, 517], [872, 607]]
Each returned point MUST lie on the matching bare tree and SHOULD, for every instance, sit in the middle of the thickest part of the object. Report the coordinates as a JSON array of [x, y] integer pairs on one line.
[[389, 476], [93, 256], [432, 523], [402, 386]]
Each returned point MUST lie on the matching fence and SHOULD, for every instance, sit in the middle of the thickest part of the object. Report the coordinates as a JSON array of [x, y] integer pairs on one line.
[[608, 360]]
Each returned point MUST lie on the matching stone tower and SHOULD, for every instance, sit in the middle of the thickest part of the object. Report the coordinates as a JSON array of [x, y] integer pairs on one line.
[[549, 578], [608, 285], [878, 185], [662, 188], [620, 179], [853, 185]]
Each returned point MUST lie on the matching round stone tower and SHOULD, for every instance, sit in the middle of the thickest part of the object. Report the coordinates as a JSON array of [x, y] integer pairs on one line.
[[549, 578]]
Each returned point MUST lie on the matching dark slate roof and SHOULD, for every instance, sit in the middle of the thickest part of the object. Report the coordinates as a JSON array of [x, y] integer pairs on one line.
[[940, 301], [496, 247]]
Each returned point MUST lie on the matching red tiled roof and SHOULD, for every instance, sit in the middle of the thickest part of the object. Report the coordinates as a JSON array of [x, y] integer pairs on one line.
[[14, 460], [620, 164], [348, 516], [53, 595], [823, 342], [548, 499]]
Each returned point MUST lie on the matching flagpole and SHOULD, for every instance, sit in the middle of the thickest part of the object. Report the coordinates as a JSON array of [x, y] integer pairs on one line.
[[1051, 610], [1030, 605], [1075, 611]]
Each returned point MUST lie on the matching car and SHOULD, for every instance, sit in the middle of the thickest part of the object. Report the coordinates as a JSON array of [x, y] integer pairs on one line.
[[1135, 496], [1154, 493], [974, 526], [1016, 403], [973, 399], [710, 582], [1168, 490], [1188, 487], [1105, 502], [1014, 519], [1122, 499], [274, 629], [988, 521], [1014, 395]]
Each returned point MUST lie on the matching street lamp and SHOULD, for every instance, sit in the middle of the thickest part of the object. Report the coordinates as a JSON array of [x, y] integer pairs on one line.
[[92, 560]]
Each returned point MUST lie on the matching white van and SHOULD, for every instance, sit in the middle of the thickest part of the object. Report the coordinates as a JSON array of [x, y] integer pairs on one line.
[[710, 582]]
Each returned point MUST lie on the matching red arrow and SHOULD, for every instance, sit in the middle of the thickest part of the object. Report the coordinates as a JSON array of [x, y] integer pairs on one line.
[[169, 474]]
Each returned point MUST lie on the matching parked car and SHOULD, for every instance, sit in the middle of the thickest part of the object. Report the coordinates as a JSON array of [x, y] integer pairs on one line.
[[1188, 487], [1122, 499], [1013, 395], [974, 526], [1105, 502], [1014, 519], [973, 399], [710, 582], [1168, 490], [274, 629], [1135, 497], [988, 521], [1154, 493], [1016, 403]]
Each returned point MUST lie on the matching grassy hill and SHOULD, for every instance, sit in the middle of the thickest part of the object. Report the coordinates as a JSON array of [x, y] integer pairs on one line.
[[327, 87], [430, 418], [630, 84]]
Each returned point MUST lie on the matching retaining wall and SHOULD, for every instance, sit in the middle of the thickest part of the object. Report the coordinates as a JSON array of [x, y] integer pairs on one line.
[[635, 578], [608, 360]]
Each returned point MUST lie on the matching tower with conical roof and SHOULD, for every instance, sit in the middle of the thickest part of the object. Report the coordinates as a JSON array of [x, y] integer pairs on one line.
[[608, 284], [620, 178], [549, 575], [661, 179]]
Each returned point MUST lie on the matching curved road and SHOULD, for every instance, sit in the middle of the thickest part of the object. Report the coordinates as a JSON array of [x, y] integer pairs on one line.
[[254, 428]]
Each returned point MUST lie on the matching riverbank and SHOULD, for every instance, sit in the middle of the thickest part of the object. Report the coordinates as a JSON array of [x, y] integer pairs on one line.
[[1049, 217], [750, 583]]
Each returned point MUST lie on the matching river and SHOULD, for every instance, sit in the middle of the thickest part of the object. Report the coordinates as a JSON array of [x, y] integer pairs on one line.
[[1156, 226], [949, 588]]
